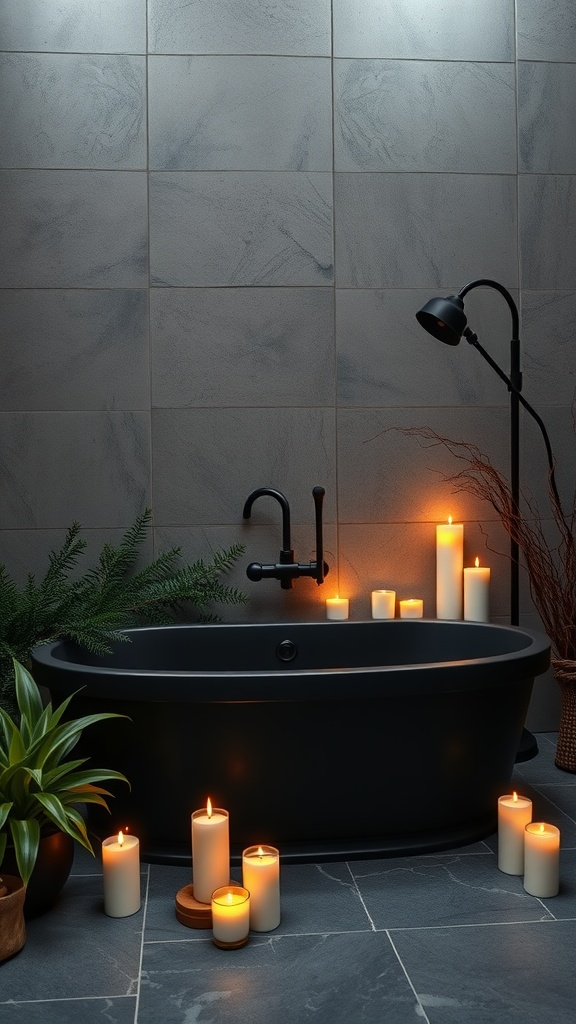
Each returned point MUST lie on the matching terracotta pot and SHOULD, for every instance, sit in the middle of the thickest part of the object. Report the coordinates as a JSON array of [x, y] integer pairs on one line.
[[50, 874], [12, 926], [565, 675]]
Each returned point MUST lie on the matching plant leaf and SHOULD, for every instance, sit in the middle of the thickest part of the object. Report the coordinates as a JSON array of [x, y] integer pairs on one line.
[[26, 839]]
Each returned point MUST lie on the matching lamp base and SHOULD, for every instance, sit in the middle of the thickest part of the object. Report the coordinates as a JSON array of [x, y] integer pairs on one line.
[[527, 748]]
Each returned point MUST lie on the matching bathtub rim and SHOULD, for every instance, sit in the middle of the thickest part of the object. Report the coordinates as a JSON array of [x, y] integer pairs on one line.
[[140, 684]]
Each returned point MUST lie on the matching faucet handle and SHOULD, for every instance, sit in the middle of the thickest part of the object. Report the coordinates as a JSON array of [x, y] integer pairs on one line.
[[321, 569]]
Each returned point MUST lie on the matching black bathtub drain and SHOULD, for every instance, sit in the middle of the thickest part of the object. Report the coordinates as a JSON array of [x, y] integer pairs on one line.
[[286, 650]]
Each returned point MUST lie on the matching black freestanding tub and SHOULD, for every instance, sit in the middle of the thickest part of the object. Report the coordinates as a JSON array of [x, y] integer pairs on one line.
[[327, 739]]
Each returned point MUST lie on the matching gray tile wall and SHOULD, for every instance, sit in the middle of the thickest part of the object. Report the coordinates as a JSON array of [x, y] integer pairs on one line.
[[218, 222]]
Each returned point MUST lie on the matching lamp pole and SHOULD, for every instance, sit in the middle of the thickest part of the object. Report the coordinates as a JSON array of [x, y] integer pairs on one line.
[[515, 387]]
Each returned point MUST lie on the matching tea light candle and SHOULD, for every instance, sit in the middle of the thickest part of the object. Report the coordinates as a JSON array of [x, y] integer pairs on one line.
[[337, 607], [411, 608], [230, 916], [383, 604], [261, 876], [541, 859], [449, 566], [514, 813], [121, 875], [477, 593], [210, 851]]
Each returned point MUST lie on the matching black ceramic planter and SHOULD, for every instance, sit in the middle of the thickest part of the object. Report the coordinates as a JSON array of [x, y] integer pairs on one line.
[[51, 871]]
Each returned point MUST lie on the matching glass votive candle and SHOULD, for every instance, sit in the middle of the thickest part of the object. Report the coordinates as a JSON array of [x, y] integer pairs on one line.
[[230, 916], [261, 876], [337, 608], [411, 608], [383, 604]]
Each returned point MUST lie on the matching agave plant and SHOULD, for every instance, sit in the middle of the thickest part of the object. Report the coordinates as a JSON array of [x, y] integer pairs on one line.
[[40, 789]]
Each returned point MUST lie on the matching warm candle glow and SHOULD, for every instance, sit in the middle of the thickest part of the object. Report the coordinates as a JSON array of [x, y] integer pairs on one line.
[[477, 562], [120, 839], [260, 851], [541, 829], [449, 520], [515, 797], [209, 807]]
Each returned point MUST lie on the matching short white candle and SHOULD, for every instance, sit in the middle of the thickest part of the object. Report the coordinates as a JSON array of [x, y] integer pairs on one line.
[[477, 593], [514, 813], [337, 607], [411, 608], [383, 604], [449, 566], [230, 914], [261, 876], [121, 875], [541, 859], [210, 851]]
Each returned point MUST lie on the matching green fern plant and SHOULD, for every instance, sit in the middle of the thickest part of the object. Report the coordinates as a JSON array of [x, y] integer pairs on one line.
[[94, 608]]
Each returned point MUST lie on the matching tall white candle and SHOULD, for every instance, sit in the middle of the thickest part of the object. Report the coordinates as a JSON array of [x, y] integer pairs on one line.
[[261, 876], [121, 875], [383, 604], [210, 851], [541, 859], [514, 813], [477, 593], [411, 608], [449, 567], [230, 915], [337, 607]]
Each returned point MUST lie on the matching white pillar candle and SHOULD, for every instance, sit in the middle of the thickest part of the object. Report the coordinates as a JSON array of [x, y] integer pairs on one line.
[[210, 851], [261, 876], [514, 813], [541, 859], [477, 593], [449, 566], [383, 604], [121, 875], [337, 607], [230, 916], [411, 608]]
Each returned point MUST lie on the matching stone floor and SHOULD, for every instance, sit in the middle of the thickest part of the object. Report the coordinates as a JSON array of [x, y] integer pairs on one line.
[[444, 938]]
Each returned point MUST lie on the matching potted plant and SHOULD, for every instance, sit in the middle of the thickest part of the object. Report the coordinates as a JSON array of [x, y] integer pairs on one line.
[[41, 789], [93, 608]]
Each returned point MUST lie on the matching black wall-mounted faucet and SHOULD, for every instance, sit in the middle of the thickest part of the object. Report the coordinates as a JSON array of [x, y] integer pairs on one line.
[[286, 569]]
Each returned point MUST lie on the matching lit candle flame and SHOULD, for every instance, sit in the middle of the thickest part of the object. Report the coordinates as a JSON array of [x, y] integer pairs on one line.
[[541, 829], [229, 897], [477, 562], [515, 796], [120, 839], [260, 851], [209, 807], [449, 520]]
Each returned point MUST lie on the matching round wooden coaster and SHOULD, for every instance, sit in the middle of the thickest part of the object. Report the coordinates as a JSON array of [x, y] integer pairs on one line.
[[190, 912], [230, 945]]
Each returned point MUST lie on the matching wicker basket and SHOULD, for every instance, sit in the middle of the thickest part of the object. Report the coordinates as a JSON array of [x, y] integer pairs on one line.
[[565, 674]]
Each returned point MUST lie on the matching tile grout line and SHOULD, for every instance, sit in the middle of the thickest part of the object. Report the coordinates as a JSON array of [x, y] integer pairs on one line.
[[408, 978], [141, 957]]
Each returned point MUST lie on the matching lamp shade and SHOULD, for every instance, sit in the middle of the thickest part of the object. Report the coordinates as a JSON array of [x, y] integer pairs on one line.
[[444, 319]]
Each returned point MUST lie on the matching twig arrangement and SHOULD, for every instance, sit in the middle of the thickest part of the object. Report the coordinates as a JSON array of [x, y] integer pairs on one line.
[[551, 567]]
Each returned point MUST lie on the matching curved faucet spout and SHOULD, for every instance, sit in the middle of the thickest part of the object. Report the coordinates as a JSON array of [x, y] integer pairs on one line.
[[286, 569], [283, 502]]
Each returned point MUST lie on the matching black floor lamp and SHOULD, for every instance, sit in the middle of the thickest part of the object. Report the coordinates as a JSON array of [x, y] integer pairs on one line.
[[444, 318]]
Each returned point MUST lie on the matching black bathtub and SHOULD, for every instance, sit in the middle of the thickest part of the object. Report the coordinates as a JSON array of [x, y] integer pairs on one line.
[[327, 739]]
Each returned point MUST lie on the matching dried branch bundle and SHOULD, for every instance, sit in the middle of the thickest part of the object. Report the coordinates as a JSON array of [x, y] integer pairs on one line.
[[551, 567]]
